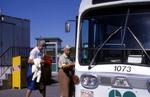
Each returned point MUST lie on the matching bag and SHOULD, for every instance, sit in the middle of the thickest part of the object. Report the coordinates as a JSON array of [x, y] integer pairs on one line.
[[47, 60], [46, 74], [46, 70]]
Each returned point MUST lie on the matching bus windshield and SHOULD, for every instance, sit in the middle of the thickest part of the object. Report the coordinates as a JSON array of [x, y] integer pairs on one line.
[[115, 35]]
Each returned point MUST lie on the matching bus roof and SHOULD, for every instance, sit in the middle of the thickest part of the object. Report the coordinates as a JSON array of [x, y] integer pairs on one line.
[[86, 4]]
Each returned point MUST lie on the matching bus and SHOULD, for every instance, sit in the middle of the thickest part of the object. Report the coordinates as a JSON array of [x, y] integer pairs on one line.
[[113, 48]]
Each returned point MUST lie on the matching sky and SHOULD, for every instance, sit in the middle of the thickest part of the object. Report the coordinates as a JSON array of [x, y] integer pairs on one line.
[[47, 17]]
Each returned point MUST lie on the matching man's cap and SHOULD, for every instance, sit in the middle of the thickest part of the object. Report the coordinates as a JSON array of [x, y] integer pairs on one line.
[[67, 47]]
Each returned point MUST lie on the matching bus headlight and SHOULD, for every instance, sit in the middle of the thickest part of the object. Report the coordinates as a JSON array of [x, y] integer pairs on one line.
[[89, 81]]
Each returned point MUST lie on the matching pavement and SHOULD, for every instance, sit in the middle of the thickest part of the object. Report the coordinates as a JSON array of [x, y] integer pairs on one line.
[[51, 91]]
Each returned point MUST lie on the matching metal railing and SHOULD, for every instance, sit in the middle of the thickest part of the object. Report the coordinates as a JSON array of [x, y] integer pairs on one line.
[[4, 70]]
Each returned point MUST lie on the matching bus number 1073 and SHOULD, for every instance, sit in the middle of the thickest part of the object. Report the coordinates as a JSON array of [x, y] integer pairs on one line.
[[122, 68]]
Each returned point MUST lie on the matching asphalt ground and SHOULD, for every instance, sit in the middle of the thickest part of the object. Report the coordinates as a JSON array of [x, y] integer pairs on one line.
[[51, 91]]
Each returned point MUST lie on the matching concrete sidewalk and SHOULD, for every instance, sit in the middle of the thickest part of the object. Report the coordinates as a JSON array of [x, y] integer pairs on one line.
[[51, 91]]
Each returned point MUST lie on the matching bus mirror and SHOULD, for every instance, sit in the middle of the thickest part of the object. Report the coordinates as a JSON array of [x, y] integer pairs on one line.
[[67, 26]]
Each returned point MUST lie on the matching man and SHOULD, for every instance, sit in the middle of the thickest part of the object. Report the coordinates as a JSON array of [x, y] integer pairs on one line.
[[32, 84], [65, 72]]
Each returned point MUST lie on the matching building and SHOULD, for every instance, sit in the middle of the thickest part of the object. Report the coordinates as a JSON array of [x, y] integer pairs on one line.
[[14, 41], [14, 36]]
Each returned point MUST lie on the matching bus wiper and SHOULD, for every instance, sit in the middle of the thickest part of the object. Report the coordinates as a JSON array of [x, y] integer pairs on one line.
[[125, 26], [93, 59], [140, 44]]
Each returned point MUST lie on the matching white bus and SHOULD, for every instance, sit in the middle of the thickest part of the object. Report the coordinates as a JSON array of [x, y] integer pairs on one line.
[[113, 48]]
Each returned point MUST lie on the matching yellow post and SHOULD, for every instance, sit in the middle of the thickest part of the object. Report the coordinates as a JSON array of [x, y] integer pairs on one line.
[[19, 72]]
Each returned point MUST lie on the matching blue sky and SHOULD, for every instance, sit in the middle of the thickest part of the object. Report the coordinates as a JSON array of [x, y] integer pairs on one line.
[[47, 17]]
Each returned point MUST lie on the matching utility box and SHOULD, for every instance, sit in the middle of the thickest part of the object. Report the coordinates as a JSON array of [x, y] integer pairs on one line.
[[19, 72]]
